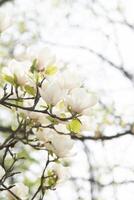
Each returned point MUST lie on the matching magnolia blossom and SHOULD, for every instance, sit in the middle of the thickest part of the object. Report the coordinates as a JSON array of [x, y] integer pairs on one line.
[[59, 144], [61, 110], [80, 99], [60, 172], [19, 70], [52, 93], [5, 20], [62, 128], [19, 190], [38, 117], [44, 57], [2, 172], [69, 80]]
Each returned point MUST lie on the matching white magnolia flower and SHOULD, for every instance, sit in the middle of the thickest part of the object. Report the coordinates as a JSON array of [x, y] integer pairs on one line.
[[69, 80], [80, 99], [19, 70], [5, 20], [44, 57], [52, 93], [2, 172], [60, 172], [19, 190], [62, 128], [39, 117], [61, 145], [61, 110]]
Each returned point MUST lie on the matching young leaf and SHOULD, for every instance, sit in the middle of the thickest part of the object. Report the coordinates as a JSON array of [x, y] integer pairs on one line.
[[9, 79], [74, 126], [30, 90], [51, 70], [33, 66], [52, 120]]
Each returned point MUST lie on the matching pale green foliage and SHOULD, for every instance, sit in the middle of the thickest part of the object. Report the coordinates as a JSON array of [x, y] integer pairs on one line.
[[74, 126], [51, 70]]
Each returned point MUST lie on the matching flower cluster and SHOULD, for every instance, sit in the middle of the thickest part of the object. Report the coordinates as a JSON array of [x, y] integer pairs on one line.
[[51, 106]]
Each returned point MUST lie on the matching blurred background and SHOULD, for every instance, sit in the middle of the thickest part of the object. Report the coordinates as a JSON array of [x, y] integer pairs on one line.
[[96, 38]]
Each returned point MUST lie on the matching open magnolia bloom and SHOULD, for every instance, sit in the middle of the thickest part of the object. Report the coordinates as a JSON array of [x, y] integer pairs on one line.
[[20, 190], [52, 92], [48, 111], [17, 72], [38, 118], [61, 110], [57, 174], [43, 56], [55, 90], [2, 172], [62, 128], [80, 99], [67, 87], [60, 145]]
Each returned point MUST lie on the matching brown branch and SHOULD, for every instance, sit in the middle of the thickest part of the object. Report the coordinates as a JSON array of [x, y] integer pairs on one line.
[[2, 2], [81, 138], [8, 104], [102, 138]]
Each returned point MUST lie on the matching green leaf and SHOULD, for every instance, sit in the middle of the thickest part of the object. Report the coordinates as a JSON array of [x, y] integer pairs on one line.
[[74, 126], [15, 80], [33, 67], [51, 70], [30, 90], [9, 79], [52, 120]]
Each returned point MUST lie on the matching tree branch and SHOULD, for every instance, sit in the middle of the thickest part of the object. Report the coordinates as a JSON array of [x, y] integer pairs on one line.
[[4, 1]]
